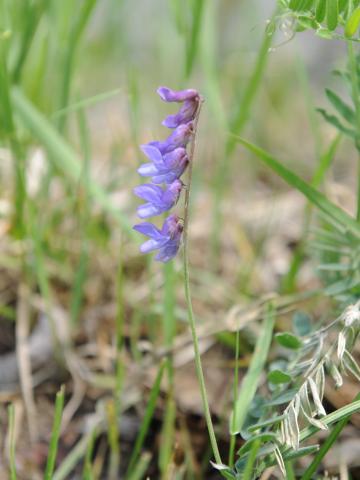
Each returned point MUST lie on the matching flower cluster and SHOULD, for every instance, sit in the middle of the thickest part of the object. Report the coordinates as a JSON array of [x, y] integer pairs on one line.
[[168, 161]]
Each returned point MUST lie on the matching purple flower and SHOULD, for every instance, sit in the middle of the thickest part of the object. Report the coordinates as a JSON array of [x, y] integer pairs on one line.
[[167, 240], [158, 200], [178, 138], [187, 112], [164, 168], [169, 95]]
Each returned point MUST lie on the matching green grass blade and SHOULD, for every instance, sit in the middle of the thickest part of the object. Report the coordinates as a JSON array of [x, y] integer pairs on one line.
[[325, 447], [192, 46], [249, 467], [62, 154], [68, 66], [313, 195], [167, 436], [86, 102], [247, 97], [141, 467], [252, 377], [11, 416], [87, 473], [55, 434], [149, 412], [72, 459]]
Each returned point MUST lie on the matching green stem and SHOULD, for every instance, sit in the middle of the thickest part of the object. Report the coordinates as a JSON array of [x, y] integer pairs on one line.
[[198, 365], [235, 393], [356, 100]]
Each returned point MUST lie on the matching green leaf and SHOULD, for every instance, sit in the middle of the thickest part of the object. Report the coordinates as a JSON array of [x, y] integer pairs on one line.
[[353, 23], [300, 5], [283, 397], [278, 377], [335, 122], [332, 14], [263, 437], [317, 198], [344, 109], [306, 23], [320, 10], [343, 4], [252, 377], [266, 423], [301, 323], [288, 340]]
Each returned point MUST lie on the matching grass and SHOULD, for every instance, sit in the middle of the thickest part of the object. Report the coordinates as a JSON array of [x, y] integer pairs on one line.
[[77, 96]]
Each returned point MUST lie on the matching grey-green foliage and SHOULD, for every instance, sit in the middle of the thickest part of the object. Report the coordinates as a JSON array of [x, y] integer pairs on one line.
[[306, 367], [337, 253], [342, 114]]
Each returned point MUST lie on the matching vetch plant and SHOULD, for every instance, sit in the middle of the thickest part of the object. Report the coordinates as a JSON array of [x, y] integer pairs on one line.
[[169, 160]]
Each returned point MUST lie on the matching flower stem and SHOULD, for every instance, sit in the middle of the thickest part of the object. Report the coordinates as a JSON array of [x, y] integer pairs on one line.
[[198, 365]]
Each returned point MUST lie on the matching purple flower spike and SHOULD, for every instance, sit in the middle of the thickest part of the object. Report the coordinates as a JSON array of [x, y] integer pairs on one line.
[[164, 168], [178, 138], [168, 160], [169, 95], [167, 240], [158, 200]]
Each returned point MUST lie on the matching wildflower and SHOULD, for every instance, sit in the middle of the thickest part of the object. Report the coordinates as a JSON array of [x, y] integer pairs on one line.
[[188, 110], [169, 95], [164, 168], [158, 200], [167, 240], [178, 138]]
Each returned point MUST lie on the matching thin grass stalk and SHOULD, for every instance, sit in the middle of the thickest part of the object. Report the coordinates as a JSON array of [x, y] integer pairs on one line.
[[59, 406], [168, 326], [191, 318], [87, 473], [235, 393], [11, 416], [249, 467], [144, 428]]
